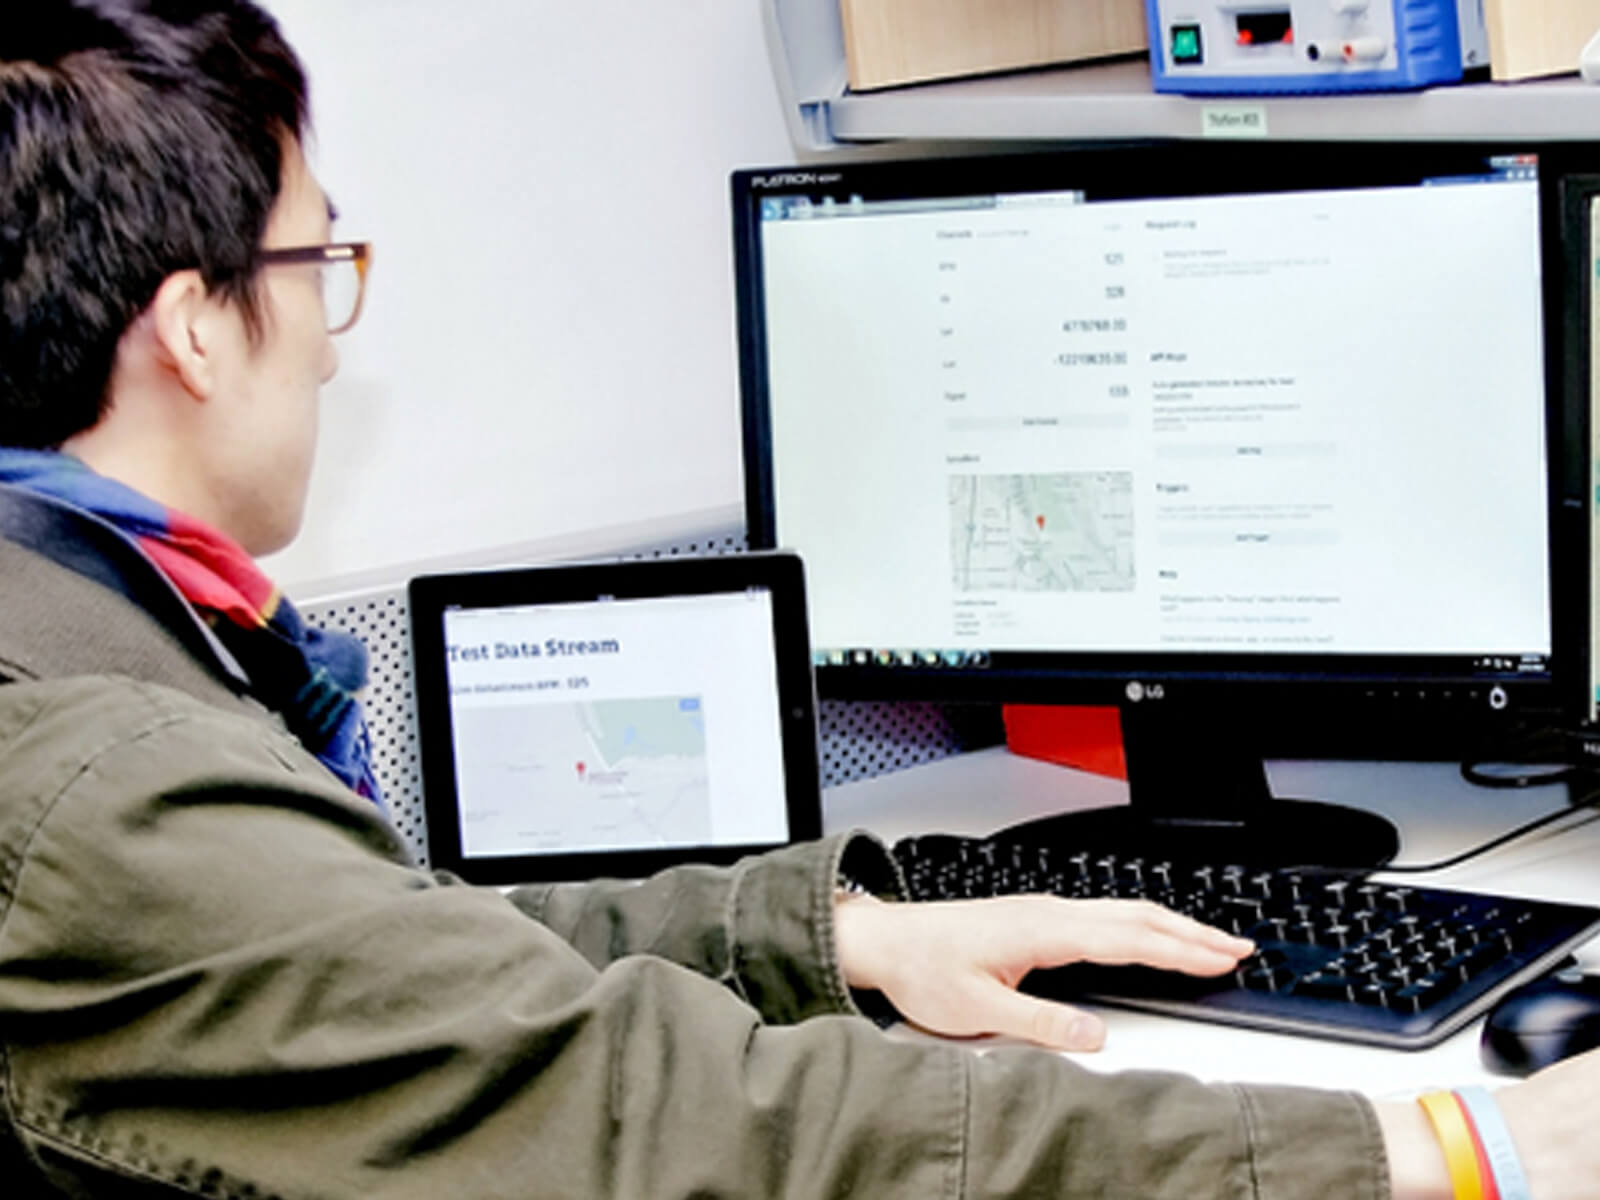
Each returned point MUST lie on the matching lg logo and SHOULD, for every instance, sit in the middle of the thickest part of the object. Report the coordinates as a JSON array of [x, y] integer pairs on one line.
[[1137, 691]]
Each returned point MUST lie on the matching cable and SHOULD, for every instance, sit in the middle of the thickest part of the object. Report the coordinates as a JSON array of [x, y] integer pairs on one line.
[[1586, 801], [1544, 756]]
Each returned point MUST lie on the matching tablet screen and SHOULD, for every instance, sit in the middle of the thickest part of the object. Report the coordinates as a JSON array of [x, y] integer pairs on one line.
[[613, 718], [616, 724]]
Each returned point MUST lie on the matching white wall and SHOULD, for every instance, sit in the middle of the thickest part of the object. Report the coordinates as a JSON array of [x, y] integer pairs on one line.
[[548, 347]]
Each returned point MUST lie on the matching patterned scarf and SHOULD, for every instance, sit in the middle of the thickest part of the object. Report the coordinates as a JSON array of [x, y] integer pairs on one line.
[[307, 675]]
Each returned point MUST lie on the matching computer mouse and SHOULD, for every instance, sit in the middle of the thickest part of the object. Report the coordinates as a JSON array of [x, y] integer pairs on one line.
[[1542, 1022]]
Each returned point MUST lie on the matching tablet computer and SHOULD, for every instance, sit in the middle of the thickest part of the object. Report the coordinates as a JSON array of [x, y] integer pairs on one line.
[[614, 718]]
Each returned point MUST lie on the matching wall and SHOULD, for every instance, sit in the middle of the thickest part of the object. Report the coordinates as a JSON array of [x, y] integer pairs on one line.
[[547, 356]]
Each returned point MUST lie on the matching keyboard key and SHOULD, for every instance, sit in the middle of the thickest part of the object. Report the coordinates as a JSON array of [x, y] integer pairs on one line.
[[1414, 997], [1375, 993], [1328, 987], [1266, 978]]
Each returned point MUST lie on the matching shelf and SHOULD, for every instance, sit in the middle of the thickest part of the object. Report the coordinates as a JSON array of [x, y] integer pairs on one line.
[[1114, 100]]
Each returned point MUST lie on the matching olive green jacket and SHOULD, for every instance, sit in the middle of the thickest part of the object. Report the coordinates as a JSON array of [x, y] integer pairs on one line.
[[220, 976]]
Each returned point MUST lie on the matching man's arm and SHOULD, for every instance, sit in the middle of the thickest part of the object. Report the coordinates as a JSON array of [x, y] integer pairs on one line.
[[764, 927], [215, 974]]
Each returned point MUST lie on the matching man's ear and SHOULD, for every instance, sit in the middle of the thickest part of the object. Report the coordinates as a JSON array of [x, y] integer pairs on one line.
[[184, 324]]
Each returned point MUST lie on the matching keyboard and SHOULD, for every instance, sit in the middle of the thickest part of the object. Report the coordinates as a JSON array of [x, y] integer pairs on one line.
[[1338, 954]]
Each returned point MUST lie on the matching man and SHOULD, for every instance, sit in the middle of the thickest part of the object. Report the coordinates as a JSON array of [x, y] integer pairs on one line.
[[218, 973]]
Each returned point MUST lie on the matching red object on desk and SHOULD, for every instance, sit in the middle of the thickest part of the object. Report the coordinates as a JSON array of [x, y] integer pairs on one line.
[[1089, 738]]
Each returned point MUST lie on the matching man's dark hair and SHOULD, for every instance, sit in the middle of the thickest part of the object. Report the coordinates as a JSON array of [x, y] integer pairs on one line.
[[137, 138]]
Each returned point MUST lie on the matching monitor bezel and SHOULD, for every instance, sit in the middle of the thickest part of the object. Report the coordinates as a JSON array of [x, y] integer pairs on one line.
[[1375, 690]]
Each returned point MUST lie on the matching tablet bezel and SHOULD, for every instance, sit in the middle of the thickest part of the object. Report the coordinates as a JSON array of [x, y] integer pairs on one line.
[[431, 596]]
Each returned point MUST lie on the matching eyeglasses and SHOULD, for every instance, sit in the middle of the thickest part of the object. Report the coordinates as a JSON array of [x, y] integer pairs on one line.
[[343, 268]]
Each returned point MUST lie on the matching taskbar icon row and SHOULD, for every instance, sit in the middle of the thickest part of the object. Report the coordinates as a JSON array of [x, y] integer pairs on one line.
[[904, 659]]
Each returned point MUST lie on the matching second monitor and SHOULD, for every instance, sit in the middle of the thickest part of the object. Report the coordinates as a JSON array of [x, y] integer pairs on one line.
[[1266, 444]]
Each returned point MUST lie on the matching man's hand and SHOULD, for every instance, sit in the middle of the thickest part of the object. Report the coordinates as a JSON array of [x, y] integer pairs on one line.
[[953, 968]]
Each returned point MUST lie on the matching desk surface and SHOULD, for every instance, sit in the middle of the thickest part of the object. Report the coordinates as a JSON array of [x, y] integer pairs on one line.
[[1437, 812]]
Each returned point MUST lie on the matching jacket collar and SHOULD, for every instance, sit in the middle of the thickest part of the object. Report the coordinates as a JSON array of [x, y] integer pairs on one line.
[[102, 557]]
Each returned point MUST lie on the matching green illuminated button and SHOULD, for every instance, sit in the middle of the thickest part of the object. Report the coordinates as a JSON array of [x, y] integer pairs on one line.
[[1186, 44]]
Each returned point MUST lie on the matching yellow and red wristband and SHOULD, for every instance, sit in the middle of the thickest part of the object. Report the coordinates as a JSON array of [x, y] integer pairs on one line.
[[1478, 1151], [1451, 1127]]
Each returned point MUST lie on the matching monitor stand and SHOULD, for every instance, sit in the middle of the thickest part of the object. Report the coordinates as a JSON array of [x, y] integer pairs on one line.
[[1199, 791]]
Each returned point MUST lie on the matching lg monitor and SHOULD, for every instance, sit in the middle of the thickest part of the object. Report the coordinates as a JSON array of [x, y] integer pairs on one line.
[[1270, 445]]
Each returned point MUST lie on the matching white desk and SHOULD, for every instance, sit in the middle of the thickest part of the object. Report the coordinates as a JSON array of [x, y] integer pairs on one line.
[[1438, 814]]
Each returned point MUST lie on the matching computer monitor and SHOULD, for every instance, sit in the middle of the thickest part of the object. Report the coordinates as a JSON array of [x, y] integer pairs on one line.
[[1271, 445]]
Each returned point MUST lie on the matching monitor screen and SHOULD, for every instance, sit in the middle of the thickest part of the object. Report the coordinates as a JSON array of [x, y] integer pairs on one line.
[[1284, 423]]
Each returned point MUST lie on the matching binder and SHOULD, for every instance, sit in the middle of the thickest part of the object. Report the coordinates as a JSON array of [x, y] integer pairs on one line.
[[892, 42], [1538, 37]]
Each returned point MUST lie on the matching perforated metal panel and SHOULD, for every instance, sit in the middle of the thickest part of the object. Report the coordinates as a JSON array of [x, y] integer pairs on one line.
[[380, 620], [858, 740]]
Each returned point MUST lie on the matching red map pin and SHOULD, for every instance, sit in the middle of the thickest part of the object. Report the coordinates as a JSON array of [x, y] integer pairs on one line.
[[1040, 520], [582, 767]]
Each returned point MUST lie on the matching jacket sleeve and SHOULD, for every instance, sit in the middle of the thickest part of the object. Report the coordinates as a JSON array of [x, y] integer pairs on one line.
[[763, 927], [217, 978]]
